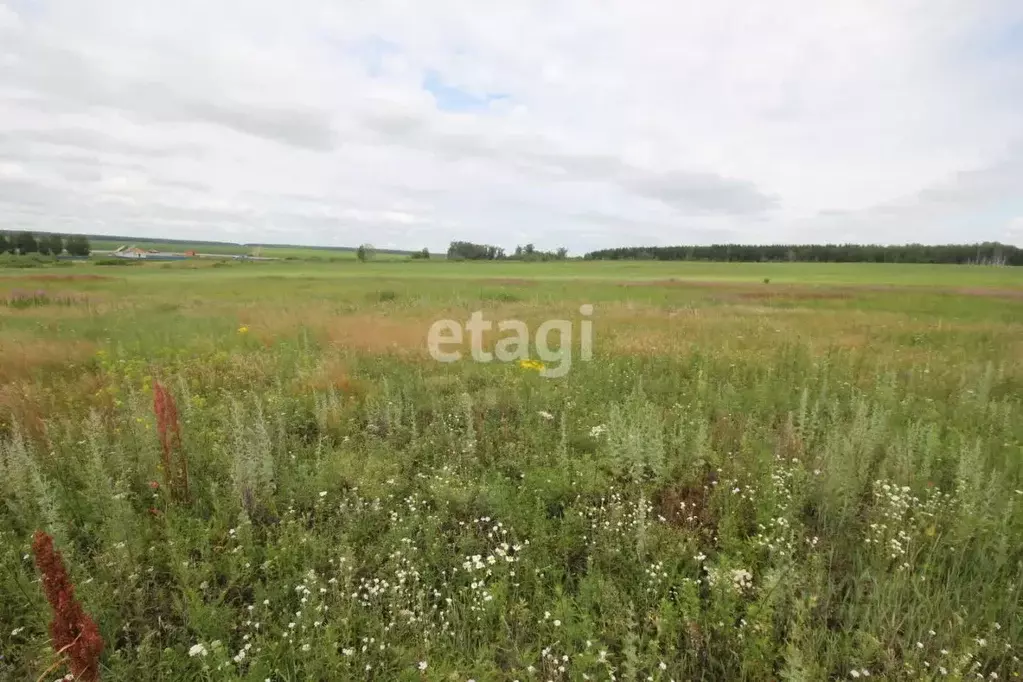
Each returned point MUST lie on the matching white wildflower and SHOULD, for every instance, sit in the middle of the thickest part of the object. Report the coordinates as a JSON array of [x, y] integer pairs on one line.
[[742, 579]]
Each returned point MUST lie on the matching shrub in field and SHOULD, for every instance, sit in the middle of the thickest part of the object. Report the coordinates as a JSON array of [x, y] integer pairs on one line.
[[72, 630]]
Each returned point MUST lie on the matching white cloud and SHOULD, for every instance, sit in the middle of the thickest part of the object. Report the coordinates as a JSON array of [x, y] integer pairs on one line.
[[552, 122]]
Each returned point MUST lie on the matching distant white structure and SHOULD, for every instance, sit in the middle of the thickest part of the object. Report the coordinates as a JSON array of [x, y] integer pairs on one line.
[[135, 252], [130, 252]]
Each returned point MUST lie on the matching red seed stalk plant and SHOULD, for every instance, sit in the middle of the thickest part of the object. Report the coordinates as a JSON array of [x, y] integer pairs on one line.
[[73, 632], [175, 469]]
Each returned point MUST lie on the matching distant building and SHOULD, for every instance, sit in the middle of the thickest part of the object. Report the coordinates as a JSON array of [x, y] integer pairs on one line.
[[131, 252], [135, 252]]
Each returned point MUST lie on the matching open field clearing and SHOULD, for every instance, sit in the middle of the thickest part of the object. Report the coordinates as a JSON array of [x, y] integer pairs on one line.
[[623, 272], [766, 471]]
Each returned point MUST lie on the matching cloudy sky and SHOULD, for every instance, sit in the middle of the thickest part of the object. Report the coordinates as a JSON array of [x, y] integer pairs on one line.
[[583, 123]]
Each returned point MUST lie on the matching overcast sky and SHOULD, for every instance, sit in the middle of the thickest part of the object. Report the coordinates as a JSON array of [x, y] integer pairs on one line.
[[582, 123]]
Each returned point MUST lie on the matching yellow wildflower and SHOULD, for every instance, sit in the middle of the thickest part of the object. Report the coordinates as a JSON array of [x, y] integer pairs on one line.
[[243, 329]]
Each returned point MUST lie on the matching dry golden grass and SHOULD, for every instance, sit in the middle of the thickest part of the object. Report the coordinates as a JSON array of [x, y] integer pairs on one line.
[[403, 331], [25, 397], [24, 403], [21, 356], [31, 403], [378, 334], [331, 374], [628, 327]]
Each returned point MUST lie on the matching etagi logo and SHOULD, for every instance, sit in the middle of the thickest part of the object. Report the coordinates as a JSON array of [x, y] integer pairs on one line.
[[514, 346]]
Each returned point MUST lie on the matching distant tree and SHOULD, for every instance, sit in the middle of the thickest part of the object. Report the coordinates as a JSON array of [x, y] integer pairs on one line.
[[562, 253], [5, 243], [25, 242], [470, 251], [365, 252], [77, 245], [55, 244], [421, 255]]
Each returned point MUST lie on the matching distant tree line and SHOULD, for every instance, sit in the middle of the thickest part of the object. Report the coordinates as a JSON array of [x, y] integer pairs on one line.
[[25, 243], [988, 253], [471, 251]]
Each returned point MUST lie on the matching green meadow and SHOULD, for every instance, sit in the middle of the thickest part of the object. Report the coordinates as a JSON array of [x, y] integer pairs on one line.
[[256, 471]]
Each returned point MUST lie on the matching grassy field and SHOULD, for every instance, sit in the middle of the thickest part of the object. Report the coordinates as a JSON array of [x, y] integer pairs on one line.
[[766, 472]]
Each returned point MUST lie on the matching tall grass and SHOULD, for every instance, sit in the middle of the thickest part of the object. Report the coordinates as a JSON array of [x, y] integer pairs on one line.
[[708, 516]]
